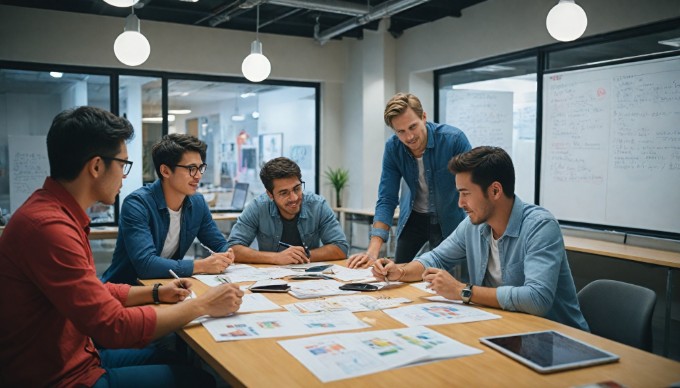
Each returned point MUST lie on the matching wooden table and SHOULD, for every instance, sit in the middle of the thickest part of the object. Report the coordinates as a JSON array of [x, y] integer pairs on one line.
[[667, 259], [263, 363]]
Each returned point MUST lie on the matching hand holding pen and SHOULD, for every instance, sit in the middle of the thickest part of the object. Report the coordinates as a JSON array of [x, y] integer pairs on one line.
[[178, 295], [295, 253], [216, 263]]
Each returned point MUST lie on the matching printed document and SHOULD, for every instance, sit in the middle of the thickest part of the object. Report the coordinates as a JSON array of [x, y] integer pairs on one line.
[[340, 356], [438, 314], [353, 303]]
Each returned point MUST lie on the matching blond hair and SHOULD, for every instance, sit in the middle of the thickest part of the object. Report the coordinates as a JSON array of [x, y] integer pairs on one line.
[[398, 105]]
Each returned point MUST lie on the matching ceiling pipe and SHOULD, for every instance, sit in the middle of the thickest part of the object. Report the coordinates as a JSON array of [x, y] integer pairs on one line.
[[385, 9], [332, 6]]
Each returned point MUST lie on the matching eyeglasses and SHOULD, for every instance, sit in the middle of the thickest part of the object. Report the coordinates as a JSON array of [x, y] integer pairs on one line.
[[193, 168], [297, 189], [127, 164]]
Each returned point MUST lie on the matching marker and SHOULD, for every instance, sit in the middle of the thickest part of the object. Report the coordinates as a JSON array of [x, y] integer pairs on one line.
[[174, 275]]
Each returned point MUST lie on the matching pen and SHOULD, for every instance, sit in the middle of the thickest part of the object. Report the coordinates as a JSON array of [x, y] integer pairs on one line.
[[208, 249], [307, 252], [174, 275]]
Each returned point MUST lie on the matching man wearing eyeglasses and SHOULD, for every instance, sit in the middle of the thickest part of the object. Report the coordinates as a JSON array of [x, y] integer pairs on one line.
[[54, 306], [159, 222], [291, 226]]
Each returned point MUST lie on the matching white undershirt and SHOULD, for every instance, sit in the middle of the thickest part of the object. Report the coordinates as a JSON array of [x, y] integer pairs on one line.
[[172, 239], [421, 201], [494, 277]]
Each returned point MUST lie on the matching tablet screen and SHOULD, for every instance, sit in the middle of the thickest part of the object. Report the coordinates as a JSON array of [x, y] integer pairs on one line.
[[549, 351]]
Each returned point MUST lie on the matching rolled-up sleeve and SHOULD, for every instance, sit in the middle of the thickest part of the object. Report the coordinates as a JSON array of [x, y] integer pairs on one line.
[[388, 192]]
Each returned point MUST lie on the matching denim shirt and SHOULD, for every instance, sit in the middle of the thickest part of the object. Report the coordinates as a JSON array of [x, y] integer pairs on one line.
[[143, 227], [536, 275], [443, 143], [317, 224]]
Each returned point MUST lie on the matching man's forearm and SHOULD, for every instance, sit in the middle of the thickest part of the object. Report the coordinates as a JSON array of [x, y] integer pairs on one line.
[[327, 252], [244, 254], [413, 272]]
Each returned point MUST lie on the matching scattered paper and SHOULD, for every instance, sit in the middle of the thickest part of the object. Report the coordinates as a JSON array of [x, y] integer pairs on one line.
[[251, 303], [423, 287], [280, 324], [341, 356], [353, 303], [438, 314], [317, 288], [349, 275]]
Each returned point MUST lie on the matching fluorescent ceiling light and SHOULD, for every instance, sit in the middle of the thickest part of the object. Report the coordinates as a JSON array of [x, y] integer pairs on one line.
[[158, 119], [179, 111], [248, 94], [492, 69], [238, 117], [56, 74], [675, 42]]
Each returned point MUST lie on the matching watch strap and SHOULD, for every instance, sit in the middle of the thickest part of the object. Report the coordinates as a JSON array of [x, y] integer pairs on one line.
[[154, 293]]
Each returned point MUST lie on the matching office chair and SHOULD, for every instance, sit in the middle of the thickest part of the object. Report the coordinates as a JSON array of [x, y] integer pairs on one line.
[[619, 311]]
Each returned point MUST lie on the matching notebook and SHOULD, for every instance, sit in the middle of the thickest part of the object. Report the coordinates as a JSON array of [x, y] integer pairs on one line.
[[238, 199]]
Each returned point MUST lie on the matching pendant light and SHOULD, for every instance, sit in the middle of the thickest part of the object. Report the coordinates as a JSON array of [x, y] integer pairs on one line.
[[131, 47], [122, 3], [256, 67], [566, 21]]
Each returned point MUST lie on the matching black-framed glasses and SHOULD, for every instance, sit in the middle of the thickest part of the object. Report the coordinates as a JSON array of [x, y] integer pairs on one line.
[[193, 168], [297, 189], [127, 164]]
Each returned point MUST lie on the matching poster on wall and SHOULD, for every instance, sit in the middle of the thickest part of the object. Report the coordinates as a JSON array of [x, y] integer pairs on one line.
[[302, 155], [271, 146]]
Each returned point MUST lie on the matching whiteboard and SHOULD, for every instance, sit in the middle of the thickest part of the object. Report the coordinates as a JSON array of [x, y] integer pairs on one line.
[[484, 116], [28, 167], [611, 145]]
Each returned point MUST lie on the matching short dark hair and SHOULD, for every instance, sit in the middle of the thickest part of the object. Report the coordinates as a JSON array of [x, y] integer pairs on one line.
[[487, 165], [171, 148], [278, 168], [77, 135]]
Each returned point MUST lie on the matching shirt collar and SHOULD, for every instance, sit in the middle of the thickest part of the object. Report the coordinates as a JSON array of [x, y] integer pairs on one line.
[[430, 134], [71, 205], [157, 192], [514, 222]]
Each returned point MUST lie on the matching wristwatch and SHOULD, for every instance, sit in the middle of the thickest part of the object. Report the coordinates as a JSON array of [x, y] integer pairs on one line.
[[154, 293], [466, 293]]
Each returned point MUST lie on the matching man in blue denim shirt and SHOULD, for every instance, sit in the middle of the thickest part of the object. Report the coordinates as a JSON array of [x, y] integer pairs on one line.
[[514, 250], [290, 226], [159, 222], [418, 153]]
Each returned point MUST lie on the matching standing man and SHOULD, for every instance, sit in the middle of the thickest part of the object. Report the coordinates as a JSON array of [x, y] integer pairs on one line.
[[53, 304], [290, 226], [514, 250], [159, 222], [418, 153]]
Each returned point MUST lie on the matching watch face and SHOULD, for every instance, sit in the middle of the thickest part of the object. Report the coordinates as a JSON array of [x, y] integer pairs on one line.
[[466, 293]]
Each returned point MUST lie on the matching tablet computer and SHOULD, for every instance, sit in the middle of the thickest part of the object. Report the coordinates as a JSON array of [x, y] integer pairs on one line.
[[549, 351]]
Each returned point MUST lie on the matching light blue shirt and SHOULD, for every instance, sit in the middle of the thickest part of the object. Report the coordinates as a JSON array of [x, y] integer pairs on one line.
[[317, 224], [443, 143], [536, 275]]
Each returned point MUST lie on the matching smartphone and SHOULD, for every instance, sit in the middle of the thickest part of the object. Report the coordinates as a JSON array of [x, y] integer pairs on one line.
[[318, 268], [271, 288], [359, 287]]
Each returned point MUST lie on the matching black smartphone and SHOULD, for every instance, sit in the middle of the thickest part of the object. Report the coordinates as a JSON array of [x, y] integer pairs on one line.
[[271, 288], [319, 268], [359, 287]]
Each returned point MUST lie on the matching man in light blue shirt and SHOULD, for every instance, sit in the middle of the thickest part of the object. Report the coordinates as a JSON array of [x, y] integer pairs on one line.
[[291, 226], [514, 250]]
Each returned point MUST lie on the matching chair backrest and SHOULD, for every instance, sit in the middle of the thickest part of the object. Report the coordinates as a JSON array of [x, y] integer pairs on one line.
[[619, 311]]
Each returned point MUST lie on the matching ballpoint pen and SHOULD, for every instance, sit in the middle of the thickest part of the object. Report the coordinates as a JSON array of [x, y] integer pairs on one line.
[[307, 252], [207, 249], [174, 275]]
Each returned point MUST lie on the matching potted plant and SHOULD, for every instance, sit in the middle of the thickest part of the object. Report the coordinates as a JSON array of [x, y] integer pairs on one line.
[[339, 178]]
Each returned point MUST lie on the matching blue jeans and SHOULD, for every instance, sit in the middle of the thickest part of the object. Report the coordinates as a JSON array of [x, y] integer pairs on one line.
[[149, 367]]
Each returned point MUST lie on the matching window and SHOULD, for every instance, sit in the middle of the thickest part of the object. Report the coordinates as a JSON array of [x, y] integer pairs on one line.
[[29, 100], [495, 104]]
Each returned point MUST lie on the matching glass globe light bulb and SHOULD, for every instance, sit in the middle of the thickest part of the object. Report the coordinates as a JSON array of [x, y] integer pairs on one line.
[[566, 21]]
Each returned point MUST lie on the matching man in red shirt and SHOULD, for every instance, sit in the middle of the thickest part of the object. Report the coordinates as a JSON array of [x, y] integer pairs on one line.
[[54, 306]]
